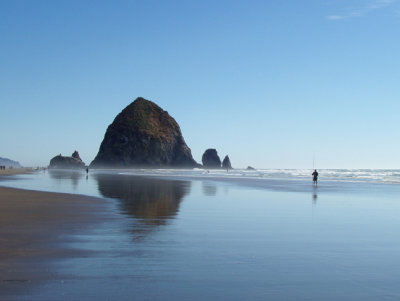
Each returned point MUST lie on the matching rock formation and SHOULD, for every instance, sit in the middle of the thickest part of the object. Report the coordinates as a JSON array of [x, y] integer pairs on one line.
[[226, 163], [210, 159], [75, 155], [143, 135], [62, 162], [250, 168], [8, 163]]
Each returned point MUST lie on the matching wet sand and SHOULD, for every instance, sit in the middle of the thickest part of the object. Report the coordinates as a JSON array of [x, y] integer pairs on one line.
[[164, 239], [35, 229]]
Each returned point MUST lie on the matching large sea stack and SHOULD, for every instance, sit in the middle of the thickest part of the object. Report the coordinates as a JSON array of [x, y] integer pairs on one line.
[[143, 135]]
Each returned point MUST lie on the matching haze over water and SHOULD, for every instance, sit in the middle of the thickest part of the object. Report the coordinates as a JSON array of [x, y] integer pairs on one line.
[[178, 235]]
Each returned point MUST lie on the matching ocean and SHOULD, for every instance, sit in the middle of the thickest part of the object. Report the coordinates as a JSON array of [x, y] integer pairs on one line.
[[238, 235]]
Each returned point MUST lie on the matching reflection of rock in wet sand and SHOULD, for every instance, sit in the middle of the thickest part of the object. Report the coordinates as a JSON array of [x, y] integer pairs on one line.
[[209, 189], [151, 200], [74, 176]]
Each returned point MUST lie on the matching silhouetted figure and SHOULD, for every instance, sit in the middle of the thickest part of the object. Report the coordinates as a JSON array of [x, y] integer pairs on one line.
[[87, 170], [315, 177]]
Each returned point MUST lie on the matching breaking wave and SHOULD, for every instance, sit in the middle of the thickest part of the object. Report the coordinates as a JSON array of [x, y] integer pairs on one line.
[[343, 175]]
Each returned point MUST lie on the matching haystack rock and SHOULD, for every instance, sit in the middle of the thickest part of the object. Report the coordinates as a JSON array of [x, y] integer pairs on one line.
[[226, 163], [143, 135], [63, 162], [211, 159]]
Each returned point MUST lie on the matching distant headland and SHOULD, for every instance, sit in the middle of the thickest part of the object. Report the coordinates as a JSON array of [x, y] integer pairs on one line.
[[8, 163]]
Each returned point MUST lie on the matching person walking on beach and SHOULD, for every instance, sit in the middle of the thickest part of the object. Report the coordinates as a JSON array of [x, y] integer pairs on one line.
[[315, 177]]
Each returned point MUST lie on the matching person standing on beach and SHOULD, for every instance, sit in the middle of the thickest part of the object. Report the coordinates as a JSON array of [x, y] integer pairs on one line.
[[315, 177]]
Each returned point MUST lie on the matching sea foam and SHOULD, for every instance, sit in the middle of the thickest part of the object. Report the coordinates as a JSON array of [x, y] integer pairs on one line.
[[327, 175]]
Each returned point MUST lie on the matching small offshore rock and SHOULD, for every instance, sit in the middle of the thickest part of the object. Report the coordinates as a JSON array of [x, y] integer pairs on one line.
[[226, 163], [64, 162]]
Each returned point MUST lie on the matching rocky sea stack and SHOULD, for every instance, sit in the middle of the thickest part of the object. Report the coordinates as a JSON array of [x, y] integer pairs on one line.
[[211, 159], [62, 162], [226, 163], [143, 135]]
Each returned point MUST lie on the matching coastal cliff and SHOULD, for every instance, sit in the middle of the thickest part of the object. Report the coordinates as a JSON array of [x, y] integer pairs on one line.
[[143, 135]]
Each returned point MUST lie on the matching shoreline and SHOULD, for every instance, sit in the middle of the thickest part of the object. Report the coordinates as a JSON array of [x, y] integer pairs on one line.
[[16, 171], [35, 229], [271, 182]]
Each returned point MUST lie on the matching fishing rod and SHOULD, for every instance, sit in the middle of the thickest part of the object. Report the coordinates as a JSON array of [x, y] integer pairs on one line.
[[313, 160]]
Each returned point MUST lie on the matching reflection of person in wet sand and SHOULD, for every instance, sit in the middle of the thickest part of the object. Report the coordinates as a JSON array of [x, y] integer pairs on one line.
[[314, 198]]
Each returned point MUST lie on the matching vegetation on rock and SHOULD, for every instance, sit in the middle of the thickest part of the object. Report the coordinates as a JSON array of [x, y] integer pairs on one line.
[[143, 135]]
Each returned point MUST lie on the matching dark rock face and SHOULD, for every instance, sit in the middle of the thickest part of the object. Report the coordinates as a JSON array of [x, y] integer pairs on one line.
[[75, 155], [250, 168], [62, 162], [226, 163], [210, 159], [143, 135]]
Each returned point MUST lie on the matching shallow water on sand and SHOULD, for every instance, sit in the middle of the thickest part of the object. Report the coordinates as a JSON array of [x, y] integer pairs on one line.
[[180, 237]]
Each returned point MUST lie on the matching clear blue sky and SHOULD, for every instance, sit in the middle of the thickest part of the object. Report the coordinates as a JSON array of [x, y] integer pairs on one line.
[[271, 83]]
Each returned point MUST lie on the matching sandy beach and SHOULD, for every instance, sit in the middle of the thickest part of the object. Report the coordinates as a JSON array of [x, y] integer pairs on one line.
[[34, 229], [15, 171]]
